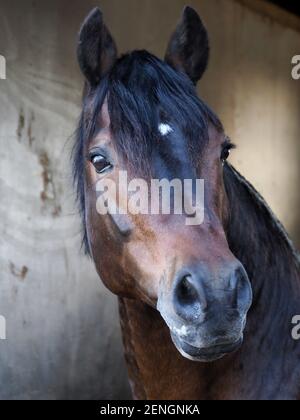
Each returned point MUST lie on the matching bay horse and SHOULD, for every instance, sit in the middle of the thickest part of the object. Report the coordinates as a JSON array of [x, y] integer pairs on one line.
[[185, 292]]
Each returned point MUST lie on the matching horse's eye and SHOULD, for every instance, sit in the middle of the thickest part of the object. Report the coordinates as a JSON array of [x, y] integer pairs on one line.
[[100, 163], [226, 149], [225, 154]]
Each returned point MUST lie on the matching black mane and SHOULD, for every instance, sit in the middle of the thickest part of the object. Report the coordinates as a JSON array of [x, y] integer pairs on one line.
[[141, 91]]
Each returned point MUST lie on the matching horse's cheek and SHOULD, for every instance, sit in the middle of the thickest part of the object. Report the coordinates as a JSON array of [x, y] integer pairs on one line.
[[109, 259]]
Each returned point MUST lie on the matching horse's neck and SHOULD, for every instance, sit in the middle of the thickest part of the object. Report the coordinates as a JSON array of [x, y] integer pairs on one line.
[[266, 365], [260, 242], [156, 369]]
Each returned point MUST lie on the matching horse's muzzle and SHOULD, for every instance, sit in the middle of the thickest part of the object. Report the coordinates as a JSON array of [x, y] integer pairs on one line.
[[207, 316]]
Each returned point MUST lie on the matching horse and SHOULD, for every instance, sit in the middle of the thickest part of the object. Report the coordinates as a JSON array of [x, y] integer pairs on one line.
[[206, 310]]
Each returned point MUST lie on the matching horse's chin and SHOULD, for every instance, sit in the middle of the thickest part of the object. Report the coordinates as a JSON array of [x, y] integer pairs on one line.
[[206, 355]]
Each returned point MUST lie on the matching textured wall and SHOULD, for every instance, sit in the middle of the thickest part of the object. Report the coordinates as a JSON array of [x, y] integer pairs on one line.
[[62, 330], [63, 337]]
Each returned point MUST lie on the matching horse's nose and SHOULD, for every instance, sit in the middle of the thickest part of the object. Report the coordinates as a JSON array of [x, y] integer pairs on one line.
[[194, 293]]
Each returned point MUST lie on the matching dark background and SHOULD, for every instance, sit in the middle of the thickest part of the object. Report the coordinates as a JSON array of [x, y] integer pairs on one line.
[[290, 5]]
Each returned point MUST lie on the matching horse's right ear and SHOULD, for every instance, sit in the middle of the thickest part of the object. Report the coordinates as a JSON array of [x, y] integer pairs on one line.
[[96, 51]]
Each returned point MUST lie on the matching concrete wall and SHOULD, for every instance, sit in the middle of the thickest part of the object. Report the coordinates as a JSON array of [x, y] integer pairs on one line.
[[63, 336]]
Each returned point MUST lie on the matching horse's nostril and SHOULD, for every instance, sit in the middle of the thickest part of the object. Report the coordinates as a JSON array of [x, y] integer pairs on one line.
[[186, 293], [241, 286], [189, 299]]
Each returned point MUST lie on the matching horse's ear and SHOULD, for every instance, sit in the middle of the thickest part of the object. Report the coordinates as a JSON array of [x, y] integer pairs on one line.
[[188, 49], [96, 51]]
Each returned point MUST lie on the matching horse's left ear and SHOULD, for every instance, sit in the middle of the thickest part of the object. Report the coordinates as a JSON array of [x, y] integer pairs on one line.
[[96, 51], [188, 49]]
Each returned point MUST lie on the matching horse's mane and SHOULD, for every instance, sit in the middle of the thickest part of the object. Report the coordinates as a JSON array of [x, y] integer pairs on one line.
[[141, 91], [255, 235]]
